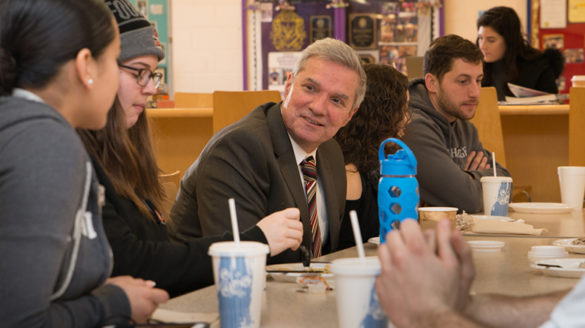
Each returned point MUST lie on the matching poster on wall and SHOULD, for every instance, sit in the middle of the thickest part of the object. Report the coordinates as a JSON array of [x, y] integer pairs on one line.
[[553, 13], [576, 11], [555, 41], [279, 65]]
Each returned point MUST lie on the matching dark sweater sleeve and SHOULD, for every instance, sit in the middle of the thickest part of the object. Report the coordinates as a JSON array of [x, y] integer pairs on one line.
[[177, 267], [442, 182]]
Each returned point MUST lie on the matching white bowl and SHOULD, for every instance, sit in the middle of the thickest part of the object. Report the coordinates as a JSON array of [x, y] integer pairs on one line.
[[486, 246], [546, 252]]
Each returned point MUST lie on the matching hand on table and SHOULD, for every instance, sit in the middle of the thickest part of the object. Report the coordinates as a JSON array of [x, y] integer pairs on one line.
[[423, 274], [283, 230], [142, 296], [476, 161]]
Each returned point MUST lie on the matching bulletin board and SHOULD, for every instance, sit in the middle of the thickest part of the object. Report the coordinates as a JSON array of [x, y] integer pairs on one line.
[[380, 31], [565, 30]]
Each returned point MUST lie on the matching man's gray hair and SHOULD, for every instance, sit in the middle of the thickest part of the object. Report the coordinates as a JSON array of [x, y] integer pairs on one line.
[[337, 52]]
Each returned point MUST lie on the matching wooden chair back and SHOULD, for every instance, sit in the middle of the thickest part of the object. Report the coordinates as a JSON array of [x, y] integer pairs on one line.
[[170, 183], [231, 106], [193, 100], [577, 127], [489, 124]]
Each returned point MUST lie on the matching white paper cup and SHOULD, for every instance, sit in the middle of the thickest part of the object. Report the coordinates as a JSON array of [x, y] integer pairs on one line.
[[239, 273], [357, 301], [496, 195], [572, 183]]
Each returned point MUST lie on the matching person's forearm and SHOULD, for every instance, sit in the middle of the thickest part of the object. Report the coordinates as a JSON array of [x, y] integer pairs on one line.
[[509, 311], [448, 318]]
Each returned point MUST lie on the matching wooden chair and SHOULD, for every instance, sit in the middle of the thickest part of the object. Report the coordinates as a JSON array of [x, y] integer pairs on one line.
[[488, 123], [170, 183], [489, 129], [231, 106], [577, 127], [193, 100]]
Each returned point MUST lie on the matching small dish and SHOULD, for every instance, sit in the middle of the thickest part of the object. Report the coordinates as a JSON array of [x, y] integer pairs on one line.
[[541, 252], [493, 217], [568, 268], [289, 272], [486, 246], [568, 245], [540, 208]]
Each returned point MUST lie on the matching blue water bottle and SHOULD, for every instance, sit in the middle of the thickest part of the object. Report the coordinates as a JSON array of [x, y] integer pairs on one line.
[[398, 188]]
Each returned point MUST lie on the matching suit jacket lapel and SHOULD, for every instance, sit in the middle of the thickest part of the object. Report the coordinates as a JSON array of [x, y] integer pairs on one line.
[[285, 156]]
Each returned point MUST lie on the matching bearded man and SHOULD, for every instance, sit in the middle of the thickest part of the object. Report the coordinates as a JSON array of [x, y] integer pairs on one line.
[[451, 159]]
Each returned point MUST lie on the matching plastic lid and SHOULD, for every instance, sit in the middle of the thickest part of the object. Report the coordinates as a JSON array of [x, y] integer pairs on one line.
[[244, 248], [356, 266], [402, 162], [578, 78], [492, 178]]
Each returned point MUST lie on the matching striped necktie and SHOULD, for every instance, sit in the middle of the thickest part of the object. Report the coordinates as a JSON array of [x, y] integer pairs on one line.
[[310, 176]]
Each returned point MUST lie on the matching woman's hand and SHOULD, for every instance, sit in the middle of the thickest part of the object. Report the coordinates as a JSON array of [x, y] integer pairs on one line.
[[142, 295]]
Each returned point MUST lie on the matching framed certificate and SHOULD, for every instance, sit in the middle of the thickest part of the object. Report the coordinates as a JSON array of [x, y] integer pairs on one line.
[[321, 27], [362, 31]]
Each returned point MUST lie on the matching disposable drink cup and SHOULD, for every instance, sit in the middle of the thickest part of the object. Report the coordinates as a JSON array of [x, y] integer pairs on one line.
[[572, 182], [496, 195], [357, 301], [239, 273]]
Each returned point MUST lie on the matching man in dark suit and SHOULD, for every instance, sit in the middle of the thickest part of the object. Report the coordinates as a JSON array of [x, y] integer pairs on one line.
[[264, 160]]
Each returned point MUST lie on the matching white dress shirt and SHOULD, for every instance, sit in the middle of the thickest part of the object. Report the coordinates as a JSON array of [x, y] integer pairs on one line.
[[300, 156]]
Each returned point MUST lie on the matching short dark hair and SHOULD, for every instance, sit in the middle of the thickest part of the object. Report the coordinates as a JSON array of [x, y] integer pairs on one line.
[[38, 36], [379, 117], [444, 50]]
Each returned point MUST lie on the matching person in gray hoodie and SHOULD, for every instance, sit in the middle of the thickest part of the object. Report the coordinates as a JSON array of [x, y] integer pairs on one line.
[[58, 71], [451, 158]]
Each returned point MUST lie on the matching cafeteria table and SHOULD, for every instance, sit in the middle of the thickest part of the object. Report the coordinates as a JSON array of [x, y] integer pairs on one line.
[[507, 272]]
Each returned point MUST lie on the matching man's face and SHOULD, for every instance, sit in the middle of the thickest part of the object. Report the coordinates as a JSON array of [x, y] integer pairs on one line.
[[319, 102], [457, 94]]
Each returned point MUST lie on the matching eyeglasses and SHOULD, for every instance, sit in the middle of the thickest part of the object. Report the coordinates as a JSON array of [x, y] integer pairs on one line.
[[143, 76]]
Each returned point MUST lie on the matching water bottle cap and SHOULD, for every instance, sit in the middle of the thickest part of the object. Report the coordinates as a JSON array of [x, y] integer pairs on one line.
[[402, 162]]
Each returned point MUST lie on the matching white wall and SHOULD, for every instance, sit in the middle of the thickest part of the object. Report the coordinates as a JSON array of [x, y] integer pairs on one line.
[[206, 45], [461, 15], [207, 39]]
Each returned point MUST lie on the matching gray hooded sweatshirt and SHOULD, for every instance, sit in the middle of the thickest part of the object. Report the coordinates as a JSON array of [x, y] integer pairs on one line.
[[441, 150], [53, 250]]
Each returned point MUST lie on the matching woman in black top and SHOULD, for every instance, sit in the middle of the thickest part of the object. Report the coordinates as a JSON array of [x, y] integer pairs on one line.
[[383, 114], [125, 165], [509, 58]]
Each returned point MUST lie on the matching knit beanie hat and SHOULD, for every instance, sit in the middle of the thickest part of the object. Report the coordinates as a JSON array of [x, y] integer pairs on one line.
[[137, 36]]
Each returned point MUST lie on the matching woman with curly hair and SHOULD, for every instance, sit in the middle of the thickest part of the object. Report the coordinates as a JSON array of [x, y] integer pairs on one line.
[[383, 114], [509, 58]]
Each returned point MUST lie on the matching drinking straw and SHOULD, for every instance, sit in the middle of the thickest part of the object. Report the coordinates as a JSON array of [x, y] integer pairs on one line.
[[234, 218], [494, 162], [357, 234]]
